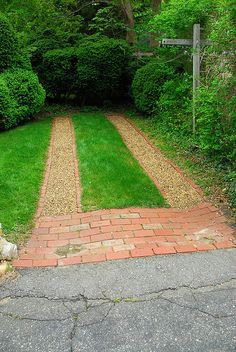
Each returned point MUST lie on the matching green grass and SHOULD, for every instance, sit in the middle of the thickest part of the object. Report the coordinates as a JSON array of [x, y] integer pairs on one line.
[[110, 176], [22, 160]]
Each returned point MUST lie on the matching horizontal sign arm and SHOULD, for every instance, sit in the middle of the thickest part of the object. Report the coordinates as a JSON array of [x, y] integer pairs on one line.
[[188, 42]]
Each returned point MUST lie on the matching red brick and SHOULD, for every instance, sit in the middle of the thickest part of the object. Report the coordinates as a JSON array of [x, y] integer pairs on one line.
[[101, 237], [145, 245], [69, 261], [80, 240], [166, 244], [45, 262], [58, 243], [141, 240], [132, 227], [130, 216], [112, 228], [118, 255], [140, 221], [123, 247], [93, 245], [18, 263], [225, 244], [93, 258], [110, 243], [91, 219], [80, 227], [121, 222], [144, 252], [185, 249], [164, 232], [144, 233], [110, 216], [36, 244], [28, 250], [45, 250], [164, 250], [100, 223], [148, 213], [159, 220], [90, 232], [40, 231], [50, 237], [60, 229], [204, 247], [62, 217], [68, 235], [123, 234], [152, 226], [102, 250], [31, 256]]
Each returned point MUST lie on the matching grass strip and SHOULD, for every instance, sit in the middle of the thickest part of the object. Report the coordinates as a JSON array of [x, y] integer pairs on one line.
[[22, 161], [110, 176]]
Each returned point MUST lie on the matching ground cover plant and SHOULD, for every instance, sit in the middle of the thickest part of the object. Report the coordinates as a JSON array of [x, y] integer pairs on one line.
[[23, 153], [110, 176]]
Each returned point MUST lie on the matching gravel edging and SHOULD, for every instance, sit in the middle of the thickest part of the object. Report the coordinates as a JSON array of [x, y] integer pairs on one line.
[[175, 187], [61, 192]]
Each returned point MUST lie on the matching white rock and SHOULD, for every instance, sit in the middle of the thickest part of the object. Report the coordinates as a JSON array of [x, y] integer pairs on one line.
[[7, 250]]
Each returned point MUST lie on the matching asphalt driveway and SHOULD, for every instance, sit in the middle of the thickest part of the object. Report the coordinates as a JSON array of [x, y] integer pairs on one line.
[[183, 302]]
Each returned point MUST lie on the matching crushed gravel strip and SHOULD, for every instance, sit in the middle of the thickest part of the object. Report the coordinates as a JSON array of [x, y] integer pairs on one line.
[[175, 187], [61, 192]]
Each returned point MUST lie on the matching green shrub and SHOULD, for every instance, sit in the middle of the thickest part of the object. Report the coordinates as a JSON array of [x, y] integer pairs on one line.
[[216, 122], [102, 69], [21, 96], [148, 84], [9, 47], [95, 71], [174, 107], [59, 74], [38, 49]]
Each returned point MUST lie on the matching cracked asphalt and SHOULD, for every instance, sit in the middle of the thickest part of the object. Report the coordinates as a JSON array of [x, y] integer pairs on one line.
[[184, 302]]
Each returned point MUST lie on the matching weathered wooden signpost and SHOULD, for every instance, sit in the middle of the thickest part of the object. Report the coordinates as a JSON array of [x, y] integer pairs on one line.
[[196, 44]]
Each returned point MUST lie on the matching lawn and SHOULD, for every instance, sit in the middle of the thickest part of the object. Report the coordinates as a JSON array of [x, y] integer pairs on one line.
[[110, 176], [22, 160]]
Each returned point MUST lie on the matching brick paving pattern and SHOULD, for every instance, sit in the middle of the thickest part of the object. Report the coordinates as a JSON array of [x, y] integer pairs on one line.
[[101, 235]]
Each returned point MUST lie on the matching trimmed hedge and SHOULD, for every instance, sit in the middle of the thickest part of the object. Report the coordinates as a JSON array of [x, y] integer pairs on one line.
[[93, 72], [21, 96], [59, 74], [102, 69], [148, 84]]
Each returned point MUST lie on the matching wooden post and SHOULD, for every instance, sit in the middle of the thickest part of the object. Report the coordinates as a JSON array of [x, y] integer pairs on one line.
[[196, 43], [196, 69]]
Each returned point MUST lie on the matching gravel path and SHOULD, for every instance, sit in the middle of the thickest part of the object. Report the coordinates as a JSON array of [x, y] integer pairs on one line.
[[61, 192], [175, 187]]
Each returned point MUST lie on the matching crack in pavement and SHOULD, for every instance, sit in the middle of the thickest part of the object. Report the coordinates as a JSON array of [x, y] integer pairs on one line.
[[145, 297]]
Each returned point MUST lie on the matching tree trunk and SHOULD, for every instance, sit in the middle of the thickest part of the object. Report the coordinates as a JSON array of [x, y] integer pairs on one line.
[[156, 7], [129, 17]]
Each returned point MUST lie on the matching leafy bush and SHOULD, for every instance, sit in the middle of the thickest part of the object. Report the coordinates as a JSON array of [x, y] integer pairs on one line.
[[93, 72], [9, 47], [217, 121], [59, 74], [102, 68], [148, 84], [21, 96], [177, 17], [174, 107]]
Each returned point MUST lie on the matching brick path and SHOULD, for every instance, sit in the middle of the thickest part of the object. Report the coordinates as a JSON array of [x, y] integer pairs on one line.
[[120, 233]]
